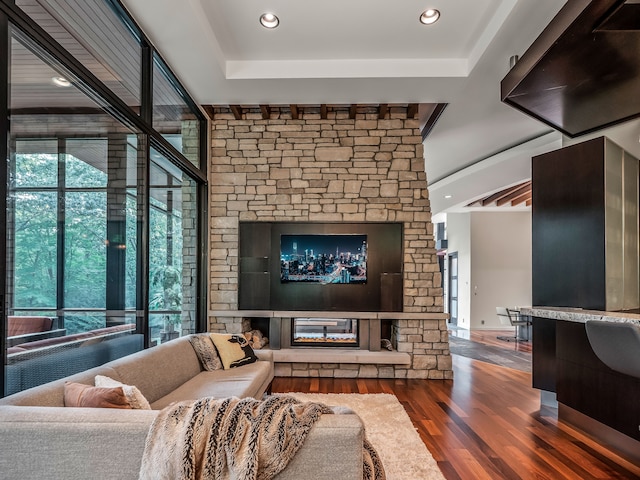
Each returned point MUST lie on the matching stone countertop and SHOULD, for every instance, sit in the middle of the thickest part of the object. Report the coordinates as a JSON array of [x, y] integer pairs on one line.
[[579, 315]]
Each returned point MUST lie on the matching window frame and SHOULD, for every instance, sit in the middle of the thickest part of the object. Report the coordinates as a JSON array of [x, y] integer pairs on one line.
[[11, 15]]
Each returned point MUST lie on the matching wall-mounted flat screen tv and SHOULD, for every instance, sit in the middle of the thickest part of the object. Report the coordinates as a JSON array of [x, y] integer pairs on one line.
[[323, 259]]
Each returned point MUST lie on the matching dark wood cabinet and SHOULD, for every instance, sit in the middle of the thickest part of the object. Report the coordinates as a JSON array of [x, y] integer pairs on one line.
[[544, 354], [564, 363], [585, 227]]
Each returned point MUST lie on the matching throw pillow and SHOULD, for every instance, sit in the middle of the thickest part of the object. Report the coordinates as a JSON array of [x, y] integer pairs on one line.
[[206, 351], [234, 350], [134, 395], [81, 395]]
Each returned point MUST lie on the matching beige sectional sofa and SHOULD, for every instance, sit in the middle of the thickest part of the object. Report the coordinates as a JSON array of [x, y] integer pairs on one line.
[[41, 438]]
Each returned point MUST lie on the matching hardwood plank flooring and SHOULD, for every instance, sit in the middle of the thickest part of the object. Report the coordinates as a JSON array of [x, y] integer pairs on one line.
[[486, 424]]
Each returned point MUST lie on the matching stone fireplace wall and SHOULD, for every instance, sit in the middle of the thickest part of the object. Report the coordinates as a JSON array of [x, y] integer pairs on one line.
[[336, 169]]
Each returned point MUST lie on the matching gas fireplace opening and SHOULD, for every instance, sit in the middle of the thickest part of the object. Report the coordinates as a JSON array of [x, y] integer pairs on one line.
[[338, 332]]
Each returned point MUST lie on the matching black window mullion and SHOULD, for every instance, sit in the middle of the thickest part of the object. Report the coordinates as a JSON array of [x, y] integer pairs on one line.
[[201, 252], [116, 230], [60, 242], [142, 232], [5, 59], [146, 100]]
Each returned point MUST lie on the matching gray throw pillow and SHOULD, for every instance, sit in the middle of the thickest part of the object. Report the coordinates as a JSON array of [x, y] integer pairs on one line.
[[206, 351]]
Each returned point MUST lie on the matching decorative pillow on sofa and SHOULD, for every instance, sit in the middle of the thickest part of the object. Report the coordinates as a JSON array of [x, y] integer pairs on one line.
[[134, 396], [81, 395], [206, 351], [234, 350]]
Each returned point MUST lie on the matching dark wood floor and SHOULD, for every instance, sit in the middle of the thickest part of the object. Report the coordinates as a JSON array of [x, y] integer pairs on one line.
[[486, 424], [490, 337]]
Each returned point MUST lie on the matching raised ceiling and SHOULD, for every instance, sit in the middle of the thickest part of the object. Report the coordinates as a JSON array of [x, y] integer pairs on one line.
[[370, 52]]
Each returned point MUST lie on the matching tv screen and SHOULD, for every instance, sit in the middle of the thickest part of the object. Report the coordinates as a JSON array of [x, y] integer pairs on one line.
[[323, 259]]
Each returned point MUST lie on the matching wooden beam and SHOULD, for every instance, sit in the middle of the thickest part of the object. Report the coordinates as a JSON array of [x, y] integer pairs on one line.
[[515, 193], [266, 112], [522, 198], [209, 110], [323, 111], [498, 196], [237, 111], [295, 114], [433, 118], [528, 202], [412, 110], [352, 111], [495, 197], [383, 109]]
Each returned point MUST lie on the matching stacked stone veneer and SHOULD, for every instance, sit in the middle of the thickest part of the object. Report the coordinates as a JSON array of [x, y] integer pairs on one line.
[[336, 169]]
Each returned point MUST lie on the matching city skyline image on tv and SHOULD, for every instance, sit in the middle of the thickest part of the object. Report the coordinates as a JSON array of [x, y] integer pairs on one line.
[[323, 259]]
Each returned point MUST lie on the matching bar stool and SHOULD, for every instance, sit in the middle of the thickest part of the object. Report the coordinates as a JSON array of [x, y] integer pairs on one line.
[[616, 344]]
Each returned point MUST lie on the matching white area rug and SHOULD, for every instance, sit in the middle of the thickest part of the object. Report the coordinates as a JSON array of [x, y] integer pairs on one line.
[[390, 431]]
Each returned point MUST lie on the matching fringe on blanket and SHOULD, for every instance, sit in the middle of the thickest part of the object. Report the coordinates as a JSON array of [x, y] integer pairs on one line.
[[234, 438]]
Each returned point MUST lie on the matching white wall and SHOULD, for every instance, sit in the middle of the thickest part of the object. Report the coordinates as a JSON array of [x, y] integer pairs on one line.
[[458, 240], [501, 264], [494, 258]]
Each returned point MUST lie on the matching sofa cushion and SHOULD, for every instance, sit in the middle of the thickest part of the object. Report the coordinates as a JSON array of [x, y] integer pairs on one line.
[[24, 325], [52, 394], [81, 395], [245, 381], [134, 396], [206, 351], [234, 350]]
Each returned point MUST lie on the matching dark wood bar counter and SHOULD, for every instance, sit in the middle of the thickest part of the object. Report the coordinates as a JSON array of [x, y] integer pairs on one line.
[[590, 395]]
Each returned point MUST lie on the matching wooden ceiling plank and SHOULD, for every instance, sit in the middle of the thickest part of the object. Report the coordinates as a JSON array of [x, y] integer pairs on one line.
[[266, 112], [323, 111], [352, 111], [295, 114]]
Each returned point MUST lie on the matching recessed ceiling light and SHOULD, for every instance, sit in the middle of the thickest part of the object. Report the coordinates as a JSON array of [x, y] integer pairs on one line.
[[448, 196], [429, 16], [269, 20], [60, 81]]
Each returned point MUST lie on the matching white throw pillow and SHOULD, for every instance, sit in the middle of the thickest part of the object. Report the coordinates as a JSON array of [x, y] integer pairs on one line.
[[134, 396]]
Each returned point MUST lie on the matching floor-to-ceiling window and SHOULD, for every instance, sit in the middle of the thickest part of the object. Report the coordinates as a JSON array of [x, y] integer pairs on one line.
[[103, 229], [172, 253]]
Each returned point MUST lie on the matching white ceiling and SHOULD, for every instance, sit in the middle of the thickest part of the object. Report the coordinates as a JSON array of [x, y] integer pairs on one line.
[[371, 51]]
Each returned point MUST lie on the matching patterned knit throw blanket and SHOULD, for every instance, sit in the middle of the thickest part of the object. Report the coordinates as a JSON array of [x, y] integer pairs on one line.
[[234, 439]]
